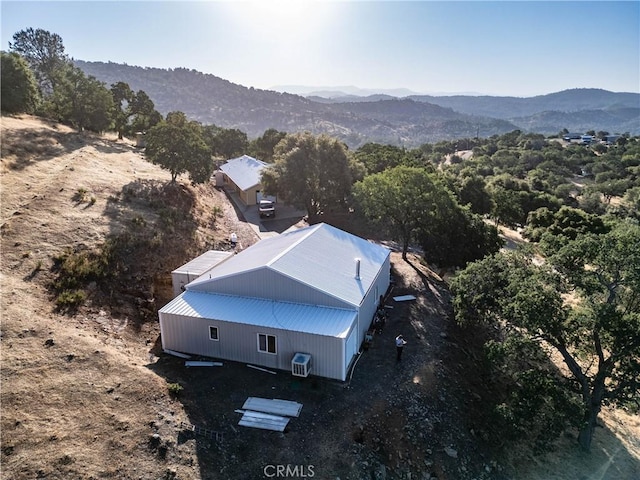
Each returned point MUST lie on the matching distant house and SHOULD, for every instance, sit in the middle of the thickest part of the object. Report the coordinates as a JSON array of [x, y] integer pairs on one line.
[[568, 137], [611, 139], [586, 139], [243, 175], [309, 294]]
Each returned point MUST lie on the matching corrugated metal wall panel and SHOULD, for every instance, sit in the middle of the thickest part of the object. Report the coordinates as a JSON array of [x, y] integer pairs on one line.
[[266, 283], [370, 303], [238, 342]]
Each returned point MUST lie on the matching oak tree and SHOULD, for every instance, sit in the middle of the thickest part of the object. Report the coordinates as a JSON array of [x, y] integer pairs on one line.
[[597, 334], [309, 172], [178, 145], [401, 200], [82, 100]]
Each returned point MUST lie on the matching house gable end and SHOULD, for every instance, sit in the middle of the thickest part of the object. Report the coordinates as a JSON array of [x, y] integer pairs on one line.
[[270, 284]]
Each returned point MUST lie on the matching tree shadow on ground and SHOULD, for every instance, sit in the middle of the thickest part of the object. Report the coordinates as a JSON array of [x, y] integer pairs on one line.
[[609, 459], [436, 290], [210, 398], [115, 146], [152, 229], [29, 146]]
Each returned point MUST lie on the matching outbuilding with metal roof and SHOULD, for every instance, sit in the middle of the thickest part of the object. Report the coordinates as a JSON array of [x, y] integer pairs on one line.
[[312, 291], [243, 176]]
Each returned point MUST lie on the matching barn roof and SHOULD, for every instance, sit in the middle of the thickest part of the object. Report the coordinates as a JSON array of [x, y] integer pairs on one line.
[[203, 263], [244, 171], [334, 322], [320, 256]]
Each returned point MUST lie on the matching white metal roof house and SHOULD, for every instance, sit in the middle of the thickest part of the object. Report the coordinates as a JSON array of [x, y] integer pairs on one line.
[[243, 174], [312, 291]]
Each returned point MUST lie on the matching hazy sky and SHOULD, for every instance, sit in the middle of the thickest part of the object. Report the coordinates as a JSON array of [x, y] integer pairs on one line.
[[497, 48]]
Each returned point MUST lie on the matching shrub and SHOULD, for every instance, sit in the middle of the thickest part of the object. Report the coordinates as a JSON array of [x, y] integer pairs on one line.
[[175, 389], [217, 211], [80, 195], [138, 221], [70, 299], [74, 268]]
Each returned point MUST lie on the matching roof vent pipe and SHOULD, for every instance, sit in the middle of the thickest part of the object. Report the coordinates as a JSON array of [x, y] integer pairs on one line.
[[357, 269]]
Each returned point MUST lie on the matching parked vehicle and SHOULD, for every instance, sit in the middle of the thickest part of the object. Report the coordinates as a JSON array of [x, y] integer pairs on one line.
[[267, 209]]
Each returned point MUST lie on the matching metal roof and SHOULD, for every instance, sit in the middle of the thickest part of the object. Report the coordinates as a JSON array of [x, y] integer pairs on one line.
[[204, 262], [244, 171], [320, 256], [334, 322]]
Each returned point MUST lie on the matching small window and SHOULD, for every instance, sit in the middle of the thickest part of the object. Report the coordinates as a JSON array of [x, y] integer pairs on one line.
[[266, 343], [213, 333]]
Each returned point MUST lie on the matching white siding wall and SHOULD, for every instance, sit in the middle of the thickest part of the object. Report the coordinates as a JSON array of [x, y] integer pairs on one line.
[[238, 342], [179, 280], [370, 302]]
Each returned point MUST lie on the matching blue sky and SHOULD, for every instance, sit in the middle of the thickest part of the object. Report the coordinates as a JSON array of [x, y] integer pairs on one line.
[[498, 48]]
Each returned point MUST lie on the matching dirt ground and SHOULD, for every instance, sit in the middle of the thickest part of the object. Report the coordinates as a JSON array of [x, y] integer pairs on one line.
[[85, 395]]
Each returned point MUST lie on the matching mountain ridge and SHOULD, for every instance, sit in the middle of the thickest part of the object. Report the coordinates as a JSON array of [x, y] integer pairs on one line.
[[408, 121]]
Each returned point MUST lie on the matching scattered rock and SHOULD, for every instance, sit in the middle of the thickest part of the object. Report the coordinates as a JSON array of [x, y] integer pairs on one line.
[[451, 452], [154, 441], [65, 460], [49, 342], [7, 449]]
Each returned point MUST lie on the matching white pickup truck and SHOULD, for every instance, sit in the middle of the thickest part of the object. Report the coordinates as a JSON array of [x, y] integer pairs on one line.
[[267, 209]]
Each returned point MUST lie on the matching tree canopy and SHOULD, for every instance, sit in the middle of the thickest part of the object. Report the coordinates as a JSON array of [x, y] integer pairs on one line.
[[310, 172], [265, 145], [129, 104], [225, 142], [81, 100], [43, 51], [377, 158], [178, 145], [19, 88], [411, 204], [401, 200], [567, 222], [597, 335], [454, 236]]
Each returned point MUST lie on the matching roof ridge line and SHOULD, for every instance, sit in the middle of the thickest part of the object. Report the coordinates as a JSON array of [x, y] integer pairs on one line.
[[290, 247]]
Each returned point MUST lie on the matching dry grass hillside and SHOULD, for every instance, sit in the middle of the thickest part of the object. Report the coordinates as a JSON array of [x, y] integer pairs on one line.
[[78, 398], [84, 391]]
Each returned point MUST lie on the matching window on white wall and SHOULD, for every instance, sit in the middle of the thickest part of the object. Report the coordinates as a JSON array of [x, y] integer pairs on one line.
[[266, 343], [213, 333]]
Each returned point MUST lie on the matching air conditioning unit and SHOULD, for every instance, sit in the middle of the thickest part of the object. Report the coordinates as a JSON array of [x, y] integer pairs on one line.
[[301, 365]]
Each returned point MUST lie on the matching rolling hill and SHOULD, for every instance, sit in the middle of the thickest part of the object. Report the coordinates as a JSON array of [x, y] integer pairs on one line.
[[213, 100], [577, 109], [409, 121]]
